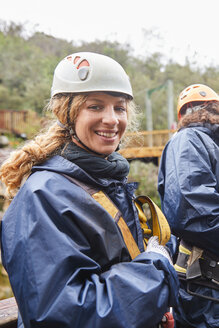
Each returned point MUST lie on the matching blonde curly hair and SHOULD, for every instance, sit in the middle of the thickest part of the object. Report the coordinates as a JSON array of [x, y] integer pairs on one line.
[[65, 107]]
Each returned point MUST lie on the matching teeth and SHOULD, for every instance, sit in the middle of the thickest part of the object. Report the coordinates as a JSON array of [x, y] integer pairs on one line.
[[108, 135]]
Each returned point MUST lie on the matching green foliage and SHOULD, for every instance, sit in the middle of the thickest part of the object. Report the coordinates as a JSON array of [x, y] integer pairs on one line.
[[146, 175], [5, 287], [27, 64]]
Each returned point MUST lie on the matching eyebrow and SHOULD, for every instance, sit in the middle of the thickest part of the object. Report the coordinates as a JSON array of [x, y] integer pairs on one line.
[[101, 101], [94, 99]]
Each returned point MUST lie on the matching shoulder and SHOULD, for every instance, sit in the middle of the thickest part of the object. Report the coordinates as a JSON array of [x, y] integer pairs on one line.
[[49, 189], [187, 132], [187, 146], [45, 179], [190, 137], [199, 132]]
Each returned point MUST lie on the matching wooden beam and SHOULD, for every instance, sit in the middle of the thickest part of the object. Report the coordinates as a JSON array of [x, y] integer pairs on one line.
[[8, 313], [141, 152]]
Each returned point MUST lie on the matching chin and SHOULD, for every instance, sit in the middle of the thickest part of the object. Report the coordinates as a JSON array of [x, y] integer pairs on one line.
[[107, 151]]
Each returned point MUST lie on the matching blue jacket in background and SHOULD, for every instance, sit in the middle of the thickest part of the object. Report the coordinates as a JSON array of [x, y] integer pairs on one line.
[[188, 184], [66, 259]]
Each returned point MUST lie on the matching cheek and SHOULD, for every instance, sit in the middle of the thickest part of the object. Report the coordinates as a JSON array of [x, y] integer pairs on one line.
[[80, 126], [124, 123]]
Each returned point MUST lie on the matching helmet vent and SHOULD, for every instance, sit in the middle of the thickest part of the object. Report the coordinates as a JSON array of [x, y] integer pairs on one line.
[[76, 59], [82, 65], [203, 93], [83, 73]]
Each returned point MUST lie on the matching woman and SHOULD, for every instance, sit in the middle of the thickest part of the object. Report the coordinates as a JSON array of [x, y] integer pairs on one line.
[[66, 258], [189, 190]]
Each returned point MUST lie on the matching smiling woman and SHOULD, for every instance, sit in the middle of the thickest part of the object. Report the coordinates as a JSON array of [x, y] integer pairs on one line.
[[71, 238], [101, 123]]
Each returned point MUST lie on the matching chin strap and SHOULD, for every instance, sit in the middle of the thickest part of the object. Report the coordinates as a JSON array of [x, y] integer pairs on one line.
[[74, 135]]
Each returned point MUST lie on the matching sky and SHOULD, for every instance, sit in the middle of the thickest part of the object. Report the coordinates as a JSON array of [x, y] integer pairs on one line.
[[179, 29]]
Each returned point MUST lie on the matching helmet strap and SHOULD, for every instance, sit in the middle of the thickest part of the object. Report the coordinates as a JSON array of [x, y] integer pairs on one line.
[[118, 147], [61, 125], [69, 109], [74, 135], [192, 109]]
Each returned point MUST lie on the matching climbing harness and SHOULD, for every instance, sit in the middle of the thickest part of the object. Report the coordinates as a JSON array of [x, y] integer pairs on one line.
[[197, 267]]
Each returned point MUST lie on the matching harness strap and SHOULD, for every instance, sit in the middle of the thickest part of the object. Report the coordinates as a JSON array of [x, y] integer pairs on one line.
[[113, 211], [160, 226], [111, 208], [182, 259]]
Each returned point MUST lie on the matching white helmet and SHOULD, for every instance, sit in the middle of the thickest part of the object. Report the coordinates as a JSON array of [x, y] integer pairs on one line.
[[86, 72]]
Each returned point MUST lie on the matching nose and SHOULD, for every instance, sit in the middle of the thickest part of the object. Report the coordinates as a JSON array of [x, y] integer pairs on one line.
[[110, 116]]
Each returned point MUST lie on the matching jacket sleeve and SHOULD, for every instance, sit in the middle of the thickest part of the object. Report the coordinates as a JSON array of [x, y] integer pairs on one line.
[[53, 250], [188, 188]]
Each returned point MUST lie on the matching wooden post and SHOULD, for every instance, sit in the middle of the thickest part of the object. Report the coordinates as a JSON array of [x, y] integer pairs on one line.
[[149, 121], [170, 105]]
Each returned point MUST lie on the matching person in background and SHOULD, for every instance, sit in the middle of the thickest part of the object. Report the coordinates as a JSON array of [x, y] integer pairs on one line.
[[66, 256], [188, 184]]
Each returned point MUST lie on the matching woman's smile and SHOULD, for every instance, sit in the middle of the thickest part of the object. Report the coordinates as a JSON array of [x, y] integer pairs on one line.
[[107, 134]]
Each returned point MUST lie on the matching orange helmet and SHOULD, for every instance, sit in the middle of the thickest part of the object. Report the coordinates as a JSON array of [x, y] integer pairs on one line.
[[195, 93]]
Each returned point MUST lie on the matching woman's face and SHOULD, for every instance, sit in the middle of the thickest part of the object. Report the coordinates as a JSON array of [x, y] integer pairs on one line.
[[101, 122]]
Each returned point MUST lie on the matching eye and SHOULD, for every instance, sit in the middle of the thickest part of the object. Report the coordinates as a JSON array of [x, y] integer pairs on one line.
[[94, 107], [120, 109]]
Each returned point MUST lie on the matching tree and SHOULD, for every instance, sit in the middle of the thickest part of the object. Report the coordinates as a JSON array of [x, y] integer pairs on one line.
[[27, 64]]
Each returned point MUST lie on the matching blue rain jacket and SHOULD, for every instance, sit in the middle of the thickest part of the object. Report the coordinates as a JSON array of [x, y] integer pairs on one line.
[[67, 261], [188, 183]]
